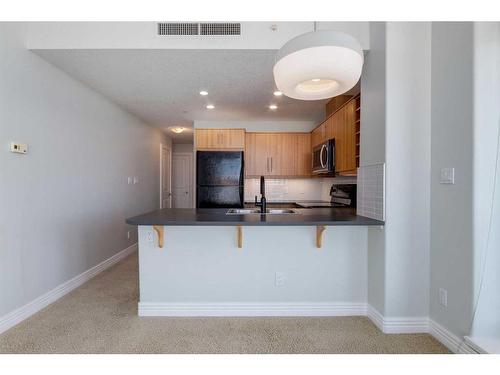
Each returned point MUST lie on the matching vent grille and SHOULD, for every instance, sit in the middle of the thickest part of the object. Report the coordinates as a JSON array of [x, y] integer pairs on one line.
[[177, 28], [192, 28], [220, 29]]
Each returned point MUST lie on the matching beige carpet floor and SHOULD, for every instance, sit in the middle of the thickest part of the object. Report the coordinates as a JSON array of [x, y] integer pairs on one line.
[[101, 317]]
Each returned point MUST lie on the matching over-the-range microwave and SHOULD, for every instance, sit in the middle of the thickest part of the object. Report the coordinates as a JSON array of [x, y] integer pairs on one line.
[[323, 158]]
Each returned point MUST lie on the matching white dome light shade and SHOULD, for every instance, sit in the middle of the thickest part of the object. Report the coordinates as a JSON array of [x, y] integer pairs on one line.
[[318, 65]]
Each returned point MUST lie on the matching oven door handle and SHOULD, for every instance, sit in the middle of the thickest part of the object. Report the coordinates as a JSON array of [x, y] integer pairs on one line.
[[323, 165]]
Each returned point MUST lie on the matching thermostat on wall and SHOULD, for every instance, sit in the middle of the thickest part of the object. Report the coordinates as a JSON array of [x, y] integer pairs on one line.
[[20, 148]]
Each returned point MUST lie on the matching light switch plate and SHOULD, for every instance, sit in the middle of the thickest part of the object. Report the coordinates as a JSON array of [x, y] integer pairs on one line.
[[18, 148], [447, 176]]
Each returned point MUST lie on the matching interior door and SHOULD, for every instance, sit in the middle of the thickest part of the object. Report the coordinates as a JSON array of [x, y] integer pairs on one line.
[[182, 180], [165, 165]]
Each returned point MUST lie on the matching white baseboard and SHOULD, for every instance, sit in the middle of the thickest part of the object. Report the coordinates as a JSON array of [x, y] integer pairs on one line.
[[251, 309], [17, 316], [448, 339], [398, 324]]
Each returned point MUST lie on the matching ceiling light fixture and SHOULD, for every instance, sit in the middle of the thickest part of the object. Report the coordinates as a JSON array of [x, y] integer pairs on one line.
[[203, 93], [318, 65], [210, 106], [178, 129], [273, 107], [277, 93]]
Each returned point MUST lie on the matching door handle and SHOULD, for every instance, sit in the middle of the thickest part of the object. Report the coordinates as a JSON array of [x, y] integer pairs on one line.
[[323, 165]]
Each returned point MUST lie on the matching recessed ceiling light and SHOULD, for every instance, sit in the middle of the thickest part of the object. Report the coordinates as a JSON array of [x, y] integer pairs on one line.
[[316, 79], [203, 93], [178, 129], [210, 106], [277, 93], [273, 106]]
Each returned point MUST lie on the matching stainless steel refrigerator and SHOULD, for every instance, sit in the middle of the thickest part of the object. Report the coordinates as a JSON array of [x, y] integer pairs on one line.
[[219, 179]]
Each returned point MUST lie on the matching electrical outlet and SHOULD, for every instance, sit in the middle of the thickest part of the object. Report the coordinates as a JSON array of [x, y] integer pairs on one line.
[[443, 297], [279, 279], [19, 148], [149, 237]]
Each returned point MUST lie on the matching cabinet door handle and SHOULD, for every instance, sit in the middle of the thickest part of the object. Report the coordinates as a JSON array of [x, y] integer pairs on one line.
[[267, 164], [271, 164]]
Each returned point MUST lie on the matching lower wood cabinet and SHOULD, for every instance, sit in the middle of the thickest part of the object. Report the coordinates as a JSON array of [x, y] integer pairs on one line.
[[220, 139], [278, 154]]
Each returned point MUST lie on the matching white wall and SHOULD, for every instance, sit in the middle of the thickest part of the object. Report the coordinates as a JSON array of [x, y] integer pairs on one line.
[[202, 264], [141, 35], [373, 150], [452, 146], [260, 126], [64, 203], [182, 147], [395, 110], [408, 151], [486, 197]]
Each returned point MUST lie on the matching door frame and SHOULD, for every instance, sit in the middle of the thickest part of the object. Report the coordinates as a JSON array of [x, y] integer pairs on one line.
[[169, 152], [191, 176]]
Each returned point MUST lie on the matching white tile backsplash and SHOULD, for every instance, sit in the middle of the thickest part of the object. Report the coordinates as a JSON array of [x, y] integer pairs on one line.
[[285, 189], [296, 189], [371, 191]]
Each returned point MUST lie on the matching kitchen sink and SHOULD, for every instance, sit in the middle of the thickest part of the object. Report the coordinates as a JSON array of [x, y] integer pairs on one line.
[[242, 211], [280, 211], [269, 211]]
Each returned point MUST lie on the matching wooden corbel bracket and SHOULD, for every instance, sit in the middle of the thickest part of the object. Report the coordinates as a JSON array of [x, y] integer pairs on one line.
[[319, 235], [159, 231], [239, 236]]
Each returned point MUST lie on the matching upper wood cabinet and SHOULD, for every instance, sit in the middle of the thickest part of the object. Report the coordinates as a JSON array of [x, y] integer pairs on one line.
[[278, 154], [303, 155], [343, 126], [220, 139], [318, 135]]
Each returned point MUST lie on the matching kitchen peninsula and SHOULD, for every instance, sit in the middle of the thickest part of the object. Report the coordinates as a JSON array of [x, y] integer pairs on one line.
[[206, 262]]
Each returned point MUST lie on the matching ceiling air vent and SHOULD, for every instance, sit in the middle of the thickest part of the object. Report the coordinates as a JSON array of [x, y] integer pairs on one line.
[[180, 28], [220, 28]]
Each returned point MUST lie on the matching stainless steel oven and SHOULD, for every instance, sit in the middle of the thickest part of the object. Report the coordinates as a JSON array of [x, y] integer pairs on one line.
[[323, 158]]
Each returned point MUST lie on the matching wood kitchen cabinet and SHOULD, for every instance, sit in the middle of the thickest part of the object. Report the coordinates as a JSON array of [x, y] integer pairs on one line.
[[318, 135], [343, 126], [220, 139], [278, 154], [303, 155]]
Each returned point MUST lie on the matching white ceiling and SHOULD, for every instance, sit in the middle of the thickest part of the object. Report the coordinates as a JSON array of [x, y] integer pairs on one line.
[[161, 87]]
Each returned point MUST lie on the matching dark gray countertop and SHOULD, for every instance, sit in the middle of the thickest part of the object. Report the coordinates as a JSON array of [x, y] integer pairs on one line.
[[217, 216]]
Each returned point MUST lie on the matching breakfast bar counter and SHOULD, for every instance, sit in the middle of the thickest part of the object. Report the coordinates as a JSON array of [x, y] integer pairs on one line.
[[206, 262], [220, 216]]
